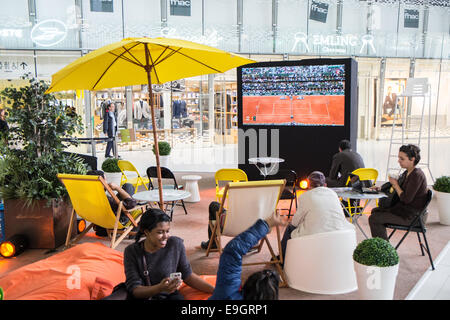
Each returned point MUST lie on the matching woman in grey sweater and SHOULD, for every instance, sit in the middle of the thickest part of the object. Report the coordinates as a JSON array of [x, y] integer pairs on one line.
[[149, 263]]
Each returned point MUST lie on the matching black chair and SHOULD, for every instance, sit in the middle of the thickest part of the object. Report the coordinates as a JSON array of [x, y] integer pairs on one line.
[[165, 174], [417, 226], [290, 190]]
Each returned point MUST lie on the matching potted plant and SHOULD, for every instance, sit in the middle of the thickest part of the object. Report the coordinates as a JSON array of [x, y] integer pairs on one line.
[[36, 202], [164, 152], [376, 266], [441, 189], [112, 170]]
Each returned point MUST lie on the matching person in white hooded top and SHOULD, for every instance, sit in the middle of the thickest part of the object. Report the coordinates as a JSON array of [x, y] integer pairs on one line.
[[319, 210]]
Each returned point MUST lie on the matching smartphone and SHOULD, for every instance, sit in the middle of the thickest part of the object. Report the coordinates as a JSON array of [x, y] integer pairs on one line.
[[175, 275]]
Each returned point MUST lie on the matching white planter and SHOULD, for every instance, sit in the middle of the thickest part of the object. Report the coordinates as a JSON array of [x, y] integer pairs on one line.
[[164, 161], [443, 203], [113, 177], [375, 283]]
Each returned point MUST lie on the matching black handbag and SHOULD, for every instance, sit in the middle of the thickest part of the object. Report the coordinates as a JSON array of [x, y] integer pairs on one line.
[[392, 196]]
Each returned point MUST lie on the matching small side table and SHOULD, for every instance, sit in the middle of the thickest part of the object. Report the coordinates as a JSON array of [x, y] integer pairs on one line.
[[192, 187]]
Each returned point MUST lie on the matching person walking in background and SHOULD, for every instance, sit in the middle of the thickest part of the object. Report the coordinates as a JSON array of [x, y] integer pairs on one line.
[[344, 163], [110, 128]]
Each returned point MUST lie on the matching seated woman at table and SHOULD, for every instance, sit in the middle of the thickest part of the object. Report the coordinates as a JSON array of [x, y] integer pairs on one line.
[[411, 192], [162, 254], [319, 210]]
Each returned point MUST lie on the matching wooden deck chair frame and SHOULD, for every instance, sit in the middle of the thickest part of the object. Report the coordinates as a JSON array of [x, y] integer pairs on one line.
[[113, 228], [363, 174], [217, 233], [125, 165]]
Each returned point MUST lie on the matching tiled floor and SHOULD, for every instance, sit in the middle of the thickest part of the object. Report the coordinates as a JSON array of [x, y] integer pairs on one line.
[[434, 285]]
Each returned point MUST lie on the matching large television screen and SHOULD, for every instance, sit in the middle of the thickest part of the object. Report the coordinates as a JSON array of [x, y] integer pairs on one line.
[[293, 95]]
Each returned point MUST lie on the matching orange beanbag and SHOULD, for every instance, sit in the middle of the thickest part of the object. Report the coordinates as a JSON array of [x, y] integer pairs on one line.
[[84, 272]]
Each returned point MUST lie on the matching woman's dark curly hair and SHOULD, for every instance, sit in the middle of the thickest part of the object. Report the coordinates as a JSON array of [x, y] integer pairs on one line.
[[412, 151], [150, 220], [261, 285]]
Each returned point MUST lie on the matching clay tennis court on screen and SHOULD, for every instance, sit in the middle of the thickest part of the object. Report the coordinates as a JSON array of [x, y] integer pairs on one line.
[[299, 110]]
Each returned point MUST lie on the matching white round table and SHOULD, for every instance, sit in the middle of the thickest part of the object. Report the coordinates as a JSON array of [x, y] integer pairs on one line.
[[192, 187], [169, 195], [263, 163]]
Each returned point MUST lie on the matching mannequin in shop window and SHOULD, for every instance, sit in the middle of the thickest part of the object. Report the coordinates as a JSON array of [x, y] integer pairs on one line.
[[389, 104]]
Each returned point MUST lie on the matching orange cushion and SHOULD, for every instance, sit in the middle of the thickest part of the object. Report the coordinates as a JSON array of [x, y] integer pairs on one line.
[[190, 293], [84, 272], [68, 275]]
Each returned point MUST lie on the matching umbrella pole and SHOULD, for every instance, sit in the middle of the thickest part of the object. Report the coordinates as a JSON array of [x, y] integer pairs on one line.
[[155, 136]]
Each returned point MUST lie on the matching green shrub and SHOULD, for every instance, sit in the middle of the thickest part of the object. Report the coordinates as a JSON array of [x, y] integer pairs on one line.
[[32, 148], [442, 184], [375, 252], [110, 165], [164, 148]]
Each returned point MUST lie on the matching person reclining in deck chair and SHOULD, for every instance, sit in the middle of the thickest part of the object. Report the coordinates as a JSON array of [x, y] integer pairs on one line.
[[319, 210], [214, 206], [124, 194], [261, 285]]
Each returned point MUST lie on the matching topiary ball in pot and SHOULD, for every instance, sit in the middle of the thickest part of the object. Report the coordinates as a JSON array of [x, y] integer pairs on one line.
[[164, 148], [110, 165], [442, 184], [376, 252]]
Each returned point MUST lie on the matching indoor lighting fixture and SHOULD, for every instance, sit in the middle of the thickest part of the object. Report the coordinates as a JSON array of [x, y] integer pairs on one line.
[[81, 225], [304, 184], [14, 246]]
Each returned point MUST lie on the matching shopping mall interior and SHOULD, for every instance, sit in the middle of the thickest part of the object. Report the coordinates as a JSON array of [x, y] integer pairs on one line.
[[393, 44]]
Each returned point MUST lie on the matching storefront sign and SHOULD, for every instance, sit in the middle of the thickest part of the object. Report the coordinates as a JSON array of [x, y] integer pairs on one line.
[[49, 32], [333, 43], [411, 18], [318, 11], [14, 67], [180, 7], [11, 33], [102, 6]]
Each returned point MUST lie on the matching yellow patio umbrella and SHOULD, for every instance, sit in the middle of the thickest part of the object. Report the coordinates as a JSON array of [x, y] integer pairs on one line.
[[134, 61]]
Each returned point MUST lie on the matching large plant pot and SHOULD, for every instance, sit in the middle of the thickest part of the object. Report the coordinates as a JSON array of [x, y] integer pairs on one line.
[[164, 161], [45, 226], [375, 283], [443, 203], [113, 177]]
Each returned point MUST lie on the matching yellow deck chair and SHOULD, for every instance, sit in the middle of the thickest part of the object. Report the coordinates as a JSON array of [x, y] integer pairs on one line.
[[364, 174], [227, 174], [89, 201], [127, 166], [248, 202]]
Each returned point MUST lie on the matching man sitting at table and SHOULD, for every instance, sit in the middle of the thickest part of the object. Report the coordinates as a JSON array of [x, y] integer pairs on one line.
[[319, 210], [344, 163]]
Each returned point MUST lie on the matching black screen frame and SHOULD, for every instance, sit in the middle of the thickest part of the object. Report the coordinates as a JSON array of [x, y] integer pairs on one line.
[[305, 148]]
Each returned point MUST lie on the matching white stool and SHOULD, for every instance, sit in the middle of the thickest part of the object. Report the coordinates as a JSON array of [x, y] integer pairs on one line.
[[192, 187]]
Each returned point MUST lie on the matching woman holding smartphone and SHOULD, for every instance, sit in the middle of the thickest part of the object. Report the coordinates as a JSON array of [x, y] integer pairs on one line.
[[411, 193], [149, 263]]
